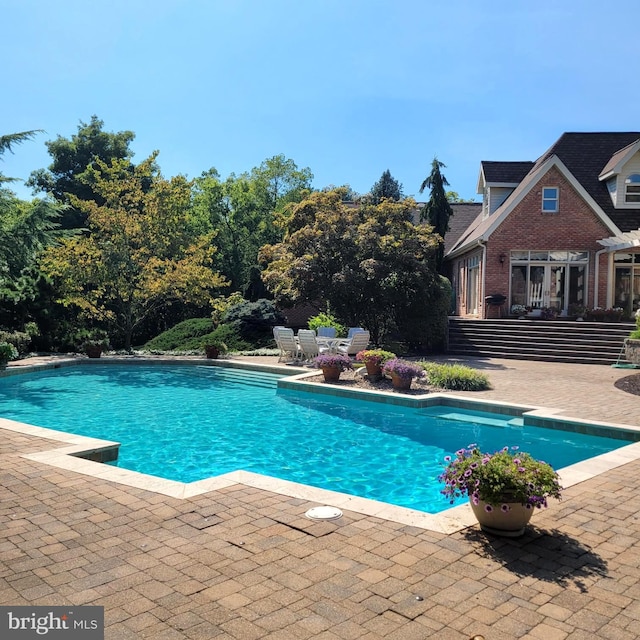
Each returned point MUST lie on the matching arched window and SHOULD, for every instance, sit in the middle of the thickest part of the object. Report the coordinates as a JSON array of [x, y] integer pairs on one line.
[[632, 188]]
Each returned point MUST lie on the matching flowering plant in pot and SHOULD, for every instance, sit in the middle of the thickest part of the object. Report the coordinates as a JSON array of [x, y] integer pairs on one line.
[[332, 365], [373, 360], [503, 487], [402, 372]]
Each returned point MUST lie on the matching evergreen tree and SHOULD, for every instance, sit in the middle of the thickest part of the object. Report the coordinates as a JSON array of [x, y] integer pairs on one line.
[[10, 139], [387, 187], [437, 211]]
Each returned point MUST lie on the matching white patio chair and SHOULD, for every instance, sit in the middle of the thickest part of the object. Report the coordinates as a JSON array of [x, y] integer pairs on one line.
[[275, 337], [353, 330], [358, 342], [286, 341], [308, 345], [327, 332]]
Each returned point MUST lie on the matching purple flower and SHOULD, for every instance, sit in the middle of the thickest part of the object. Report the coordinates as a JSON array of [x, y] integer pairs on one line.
[[488, 508], [505, 508], [403, 369], [447, 458]]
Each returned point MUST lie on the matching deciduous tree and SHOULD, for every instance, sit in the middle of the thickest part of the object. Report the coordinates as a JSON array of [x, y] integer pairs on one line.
[[369, 263], [142, 251]]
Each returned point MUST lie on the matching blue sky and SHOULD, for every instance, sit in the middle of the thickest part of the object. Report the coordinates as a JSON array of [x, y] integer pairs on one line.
[[348, 88]]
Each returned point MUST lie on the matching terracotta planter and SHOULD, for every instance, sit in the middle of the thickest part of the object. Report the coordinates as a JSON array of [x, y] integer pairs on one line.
[[331, 374], [510, 523], [212, 352], [93, 351], [402, 384], [374, 370]]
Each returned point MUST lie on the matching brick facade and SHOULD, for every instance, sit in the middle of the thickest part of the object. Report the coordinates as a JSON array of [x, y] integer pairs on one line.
[[574, 227]]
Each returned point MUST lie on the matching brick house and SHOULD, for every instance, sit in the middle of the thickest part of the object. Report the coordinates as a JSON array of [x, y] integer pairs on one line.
[[563, 230]]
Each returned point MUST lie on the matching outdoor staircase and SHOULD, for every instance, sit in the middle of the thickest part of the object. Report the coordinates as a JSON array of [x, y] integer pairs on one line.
[[549, 340], [240, 376]]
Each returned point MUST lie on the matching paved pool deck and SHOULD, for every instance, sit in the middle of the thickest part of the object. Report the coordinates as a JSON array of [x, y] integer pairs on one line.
[[243, 562]]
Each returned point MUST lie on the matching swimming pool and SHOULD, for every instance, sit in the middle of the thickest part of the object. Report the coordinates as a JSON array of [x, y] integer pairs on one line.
[[187, 423]]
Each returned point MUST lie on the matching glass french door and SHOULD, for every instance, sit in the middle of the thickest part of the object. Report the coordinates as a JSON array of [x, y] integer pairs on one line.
[[627, 289], [547, 286], [540, 285]]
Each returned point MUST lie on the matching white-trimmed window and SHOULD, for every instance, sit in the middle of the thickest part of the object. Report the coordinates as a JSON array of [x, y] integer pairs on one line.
[[632, 189], [550, 196]]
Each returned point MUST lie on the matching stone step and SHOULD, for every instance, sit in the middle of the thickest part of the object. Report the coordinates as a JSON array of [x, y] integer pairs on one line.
[[555, 341]]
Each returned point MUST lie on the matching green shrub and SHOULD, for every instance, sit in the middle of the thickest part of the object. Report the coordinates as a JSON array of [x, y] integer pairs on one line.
[[19, 339], [253, 322], [327, 320], [176, 338], [456, 377], [424, 325], [226, 334], [635, 334], [7, 352]]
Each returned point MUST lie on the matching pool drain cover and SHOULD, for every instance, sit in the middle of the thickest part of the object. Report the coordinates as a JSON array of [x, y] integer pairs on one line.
[[323, 513]]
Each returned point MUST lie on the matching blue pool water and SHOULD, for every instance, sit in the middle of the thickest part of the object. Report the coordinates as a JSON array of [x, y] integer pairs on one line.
[[189, 423]]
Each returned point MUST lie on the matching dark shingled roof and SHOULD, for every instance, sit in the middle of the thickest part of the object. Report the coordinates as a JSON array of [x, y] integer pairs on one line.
[[510, 172], [586, 155], [464, 213]]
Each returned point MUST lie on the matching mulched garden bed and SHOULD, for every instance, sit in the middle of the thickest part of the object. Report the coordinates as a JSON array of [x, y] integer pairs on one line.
[[630, 384]]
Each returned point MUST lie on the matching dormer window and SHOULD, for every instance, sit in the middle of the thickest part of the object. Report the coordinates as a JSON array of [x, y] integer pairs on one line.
[[550, 196], [632, 189]]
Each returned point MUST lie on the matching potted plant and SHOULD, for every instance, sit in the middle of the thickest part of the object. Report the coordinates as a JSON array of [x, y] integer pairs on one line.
[[611, 314], [332, 365], [518, 310], [632, 343], [7, 352], [94, 342], [213, 348], [548, 313], [577, 311], [503, 487], [402, 372], [373, 360]]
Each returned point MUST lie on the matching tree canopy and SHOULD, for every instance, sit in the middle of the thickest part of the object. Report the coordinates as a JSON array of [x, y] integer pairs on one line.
[[143, 249], [69, 175], [387, 187], [247, 213], [369, 263]]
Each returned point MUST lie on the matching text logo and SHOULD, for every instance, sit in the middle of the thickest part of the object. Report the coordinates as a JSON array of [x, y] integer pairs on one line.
[[52, 623]]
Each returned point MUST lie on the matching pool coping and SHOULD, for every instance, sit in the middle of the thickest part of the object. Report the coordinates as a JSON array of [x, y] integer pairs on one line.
[[85, 455]]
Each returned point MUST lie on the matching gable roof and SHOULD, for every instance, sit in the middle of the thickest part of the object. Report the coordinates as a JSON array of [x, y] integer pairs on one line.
[[586, 155], [483, 227], [464, 213], [504, 172], [618, 159], [582, 158]]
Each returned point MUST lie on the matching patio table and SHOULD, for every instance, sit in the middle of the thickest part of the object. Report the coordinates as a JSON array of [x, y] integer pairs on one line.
[[331, 344]]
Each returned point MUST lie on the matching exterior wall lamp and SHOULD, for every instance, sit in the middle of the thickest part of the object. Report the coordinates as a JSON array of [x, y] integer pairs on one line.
[[502, 257]]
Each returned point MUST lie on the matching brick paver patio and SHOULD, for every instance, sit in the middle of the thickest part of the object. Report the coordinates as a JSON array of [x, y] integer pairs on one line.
[[245, 563]]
